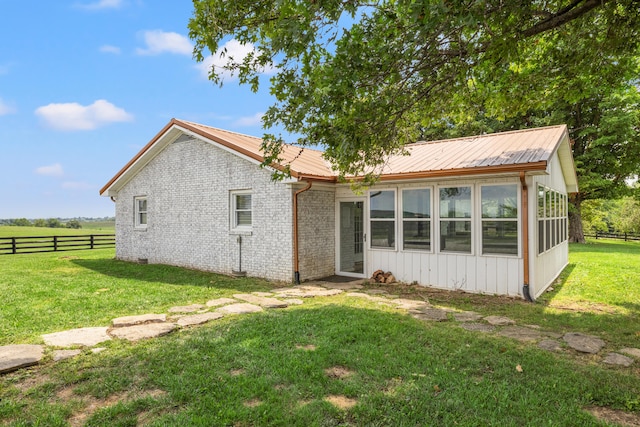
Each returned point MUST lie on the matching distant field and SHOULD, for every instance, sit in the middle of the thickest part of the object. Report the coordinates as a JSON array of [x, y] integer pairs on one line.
[[96, 228], [106, 226]]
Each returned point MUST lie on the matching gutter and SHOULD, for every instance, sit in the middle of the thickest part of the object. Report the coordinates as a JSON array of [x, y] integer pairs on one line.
[[525, 237], [296, 263]]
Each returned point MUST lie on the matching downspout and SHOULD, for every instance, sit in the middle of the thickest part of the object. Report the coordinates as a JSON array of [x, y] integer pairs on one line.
[[525, 237], [295, 233]]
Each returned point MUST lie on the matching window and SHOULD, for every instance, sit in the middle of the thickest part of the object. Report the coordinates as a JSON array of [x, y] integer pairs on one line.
[[455, 219], [241, 217], [140, 207], [500, 219], [552, 218], [416, 219], [382, 219]]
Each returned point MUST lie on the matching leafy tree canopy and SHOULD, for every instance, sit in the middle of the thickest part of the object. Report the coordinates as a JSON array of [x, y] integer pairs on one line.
[[364, 78]]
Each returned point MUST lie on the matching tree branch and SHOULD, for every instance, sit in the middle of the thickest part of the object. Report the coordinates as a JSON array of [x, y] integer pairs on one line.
[[567, 14]]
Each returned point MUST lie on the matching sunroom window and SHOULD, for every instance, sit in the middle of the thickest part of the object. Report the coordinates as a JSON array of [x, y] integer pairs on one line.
[[382, 219], [499, 219], [416, 219], [455, 219]]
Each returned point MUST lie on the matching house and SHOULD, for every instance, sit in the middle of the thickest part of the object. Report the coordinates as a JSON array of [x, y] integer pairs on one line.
[[484, 214]]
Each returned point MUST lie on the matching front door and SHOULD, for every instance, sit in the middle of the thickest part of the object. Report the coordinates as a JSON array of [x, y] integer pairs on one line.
[[350, 251]]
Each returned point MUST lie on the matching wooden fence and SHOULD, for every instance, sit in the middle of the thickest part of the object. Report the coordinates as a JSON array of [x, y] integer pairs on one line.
[[34, 244], [620, 236]]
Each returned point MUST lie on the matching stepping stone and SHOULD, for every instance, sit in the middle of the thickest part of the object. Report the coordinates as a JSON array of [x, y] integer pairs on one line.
[[266, 302], [142, 319], [376, 291], [240, 308], [343, 286], [307, 291], [367, 296], [617, 359], [98, 350], [478, 327], [635, 352], [293, 301], [220, 301], [82, 336], [428, 313], [554, 335], [583, 343], [262, 294], [408, 304], [138, 332], [65, 354], [520, 333], [186, 308], [499, 320], [550, 345], [13, 357], [467, 316], [199, 319]]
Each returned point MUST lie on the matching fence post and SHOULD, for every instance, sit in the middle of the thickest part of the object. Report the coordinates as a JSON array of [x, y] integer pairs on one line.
[[596, 234], [92, 241], [625, 236], [13, 245], [55, 243]]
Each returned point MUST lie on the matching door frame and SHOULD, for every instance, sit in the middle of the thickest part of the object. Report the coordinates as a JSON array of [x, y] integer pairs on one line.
[[364, 236]]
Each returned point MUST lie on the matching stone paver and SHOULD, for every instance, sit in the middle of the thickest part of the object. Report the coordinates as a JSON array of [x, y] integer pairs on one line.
[[186, 308], [498, 320], [408, 304], [374, 298], [343, 286], [17, 356], [478, 327], [82, 336], [263, 294], [266, 302], [121, 322], [583, 343], [520, 333], [65, 354], [429, 313], [138, 332], [376, 292], [617, 359], [635, 352], [220, 301], [467, 316], [293, 301], [550, 345], [198, 319], [307, 291], [240, 308]]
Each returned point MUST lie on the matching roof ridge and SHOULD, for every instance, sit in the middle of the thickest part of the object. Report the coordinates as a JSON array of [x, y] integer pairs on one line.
[[486, 135]]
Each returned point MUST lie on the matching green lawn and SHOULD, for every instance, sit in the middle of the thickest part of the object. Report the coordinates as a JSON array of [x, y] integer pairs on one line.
[[283, 367], [14, 231]]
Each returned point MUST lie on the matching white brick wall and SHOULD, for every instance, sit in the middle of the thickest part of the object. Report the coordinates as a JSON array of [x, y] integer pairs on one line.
[[316, 233], [187, 187]]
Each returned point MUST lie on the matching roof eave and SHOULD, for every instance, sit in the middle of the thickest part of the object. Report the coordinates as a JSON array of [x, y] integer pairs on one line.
[[540, 166]]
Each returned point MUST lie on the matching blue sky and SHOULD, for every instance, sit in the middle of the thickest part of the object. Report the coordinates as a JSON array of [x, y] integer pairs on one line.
[[85, 84]]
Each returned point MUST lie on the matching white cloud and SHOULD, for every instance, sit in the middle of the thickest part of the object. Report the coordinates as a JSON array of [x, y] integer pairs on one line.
[[110, 49], [158, 42], [231, 50], [100, 4], [254, 120], [76, 185], [5, 108], [51, 170], [73, 116]]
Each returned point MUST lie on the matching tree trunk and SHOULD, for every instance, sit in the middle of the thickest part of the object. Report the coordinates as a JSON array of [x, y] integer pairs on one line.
[[576, 234]]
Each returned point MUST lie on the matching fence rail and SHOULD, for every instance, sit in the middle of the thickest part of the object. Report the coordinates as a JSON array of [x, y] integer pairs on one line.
[[620, 236], [35, 244]]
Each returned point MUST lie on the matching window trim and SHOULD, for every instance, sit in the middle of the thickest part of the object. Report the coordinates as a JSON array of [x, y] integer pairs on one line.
[[233, 218], [402, 219], [552, 224], [471, 219], [136, 212], [516, 220]]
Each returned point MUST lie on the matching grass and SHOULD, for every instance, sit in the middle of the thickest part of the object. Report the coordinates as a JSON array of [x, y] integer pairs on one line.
[[15, 231], [283, 367]]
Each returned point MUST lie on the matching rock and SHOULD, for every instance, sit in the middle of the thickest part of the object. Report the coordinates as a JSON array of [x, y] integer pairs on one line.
[[220, 301], [343, 286], [617, 359], [369, 297], [499, 320], [142, 319], [635, 352], [306, 291], [186, 308], [262, 294], [65, 354], [467, 316], [74, 337], [376, 291], [240, 308], [583, 343], [18, 356], [550, 345], [293, 301], [478, 327], [408, 304], [266, 302], [146, 330], [520, 333], [434, 314], [98, 350], [198, 319]]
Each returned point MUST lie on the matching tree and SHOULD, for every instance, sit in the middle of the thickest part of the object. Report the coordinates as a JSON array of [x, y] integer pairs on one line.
[[54, 223], [363, 79], [39, 222], [73, 223], [21, 222]]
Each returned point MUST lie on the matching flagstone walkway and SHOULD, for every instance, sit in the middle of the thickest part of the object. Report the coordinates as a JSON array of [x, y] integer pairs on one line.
[[66, 344]]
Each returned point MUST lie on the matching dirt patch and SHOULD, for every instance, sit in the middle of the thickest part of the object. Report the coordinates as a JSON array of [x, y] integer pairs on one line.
[[302, 403], [341, 402], [585, 307], [622, 418], [391, 389], [308, 347], [92, 405], [237, 372], [252, 403], [31, 380], [339, 372]]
